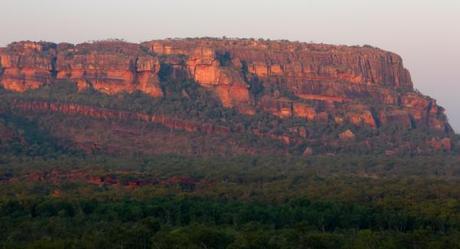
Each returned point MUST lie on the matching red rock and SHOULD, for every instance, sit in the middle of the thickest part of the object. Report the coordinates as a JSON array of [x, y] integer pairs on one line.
[[360, 118], [347, 135], [26, 65], [439, 144], [304, 111], [316, 82]]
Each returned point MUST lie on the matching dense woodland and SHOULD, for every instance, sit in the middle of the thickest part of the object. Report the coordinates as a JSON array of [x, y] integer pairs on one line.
[[53, 195], [244, 202]]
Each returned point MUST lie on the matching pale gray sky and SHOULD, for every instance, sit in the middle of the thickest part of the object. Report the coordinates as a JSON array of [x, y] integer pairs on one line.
[[426, 33]]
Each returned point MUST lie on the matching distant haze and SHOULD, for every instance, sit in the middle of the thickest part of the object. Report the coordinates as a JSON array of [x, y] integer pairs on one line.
[[426, 33]]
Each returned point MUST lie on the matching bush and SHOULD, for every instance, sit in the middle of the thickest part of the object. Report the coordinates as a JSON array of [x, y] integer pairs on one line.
[[224, 58]]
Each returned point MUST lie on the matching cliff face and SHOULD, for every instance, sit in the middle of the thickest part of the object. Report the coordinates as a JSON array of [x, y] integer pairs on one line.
[[310, 81], [110, 67], [309, 71], [26, 65], [361, 86]]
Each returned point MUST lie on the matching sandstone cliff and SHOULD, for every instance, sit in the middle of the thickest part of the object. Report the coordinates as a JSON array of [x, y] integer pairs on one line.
[[339, 85], [110, 67]]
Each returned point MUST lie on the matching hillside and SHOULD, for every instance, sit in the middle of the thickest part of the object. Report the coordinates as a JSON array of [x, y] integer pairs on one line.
[[221, 97]]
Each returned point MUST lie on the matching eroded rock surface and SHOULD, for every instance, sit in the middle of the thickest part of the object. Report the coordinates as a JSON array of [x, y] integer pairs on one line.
[[361, 86]]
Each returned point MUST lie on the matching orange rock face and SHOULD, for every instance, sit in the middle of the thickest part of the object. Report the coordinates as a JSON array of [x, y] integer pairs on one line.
[[336, 76], [203, 66], [110, 67], [347, 135], [304, 111], [363, 86], [26, 65]]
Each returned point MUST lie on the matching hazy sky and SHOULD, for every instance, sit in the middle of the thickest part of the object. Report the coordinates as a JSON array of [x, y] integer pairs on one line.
[[426, 33]]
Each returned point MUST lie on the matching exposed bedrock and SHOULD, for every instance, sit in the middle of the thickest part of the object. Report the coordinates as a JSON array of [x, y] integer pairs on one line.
[[364, 86]]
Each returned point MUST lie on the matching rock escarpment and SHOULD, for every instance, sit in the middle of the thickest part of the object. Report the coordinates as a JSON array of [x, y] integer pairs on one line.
[[109, 67], [335, 85], [312, 81]]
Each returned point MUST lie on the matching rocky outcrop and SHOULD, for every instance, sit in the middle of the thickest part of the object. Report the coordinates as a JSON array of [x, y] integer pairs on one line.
[[27, 65], [362, 86], [310, 71], [333, 85], [296, 77], [347, 135], [111, 67]]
